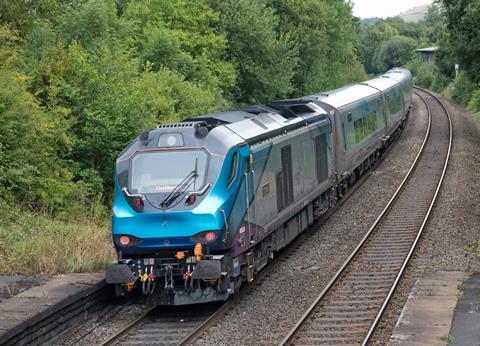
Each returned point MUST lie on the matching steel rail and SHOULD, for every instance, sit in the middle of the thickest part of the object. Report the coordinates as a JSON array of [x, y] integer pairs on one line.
[[342, 269], [132, 325]]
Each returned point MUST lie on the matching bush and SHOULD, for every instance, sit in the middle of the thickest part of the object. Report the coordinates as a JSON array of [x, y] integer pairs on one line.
[[474, 103], [463, 88]]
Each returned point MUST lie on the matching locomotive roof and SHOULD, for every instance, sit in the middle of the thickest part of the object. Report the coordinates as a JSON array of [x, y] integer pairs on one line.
[[259, 122], [398, 74]]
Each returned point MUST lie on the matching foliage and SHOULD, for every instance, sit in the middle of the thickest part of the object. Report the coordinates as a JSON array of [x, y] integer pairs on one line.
[[474, 102], [37, 245], [326, 43], [265, 60], [391, 42], [371, 39], [463, 88], [182, 36], [463, 26], [395, 52]]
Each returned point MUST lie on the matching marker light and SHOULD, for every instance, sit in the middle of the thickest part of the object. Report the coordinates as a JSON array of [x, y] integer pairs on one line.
[[124, 240], [191, 199], [205, 237], [138, 202], [210, 236]]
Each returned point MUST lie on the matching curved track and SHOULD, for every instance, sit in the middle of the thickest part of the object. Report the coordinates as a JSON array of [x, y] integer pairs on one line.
[[348, 310]]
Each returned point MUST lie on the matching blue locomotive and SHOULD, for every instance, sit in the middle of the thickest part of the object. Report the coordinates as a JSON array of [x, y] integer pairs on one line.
[[203, 205]]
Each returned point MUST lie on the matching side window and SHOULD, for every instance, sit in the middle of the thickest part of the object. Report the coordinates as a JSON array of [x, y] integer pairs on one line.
[[279, 187], [348, 132], [394, 102], [365, 126], [233, 169]]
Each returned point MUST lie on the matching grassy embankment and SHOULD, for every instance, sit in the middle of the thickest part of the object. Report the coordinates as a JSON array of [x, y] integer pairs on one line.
[[38, 245]]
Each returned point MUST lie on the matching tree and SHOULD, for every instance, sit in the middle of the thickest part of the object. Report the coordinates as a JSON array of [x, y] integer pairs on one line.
[[182, 36], [372, 38], [395, 52], [324, 32], [463, 26], [265, 59]]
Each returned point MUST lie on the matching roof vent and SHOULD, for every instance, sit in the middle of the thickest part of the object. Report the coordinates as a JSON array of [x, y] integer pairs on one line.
[[175, 125]]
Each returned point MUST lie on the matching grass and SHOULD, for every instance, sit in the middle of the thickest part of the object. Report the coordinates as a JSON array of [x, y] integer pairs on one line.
[[34, 244], [447, 338], [474, 248]]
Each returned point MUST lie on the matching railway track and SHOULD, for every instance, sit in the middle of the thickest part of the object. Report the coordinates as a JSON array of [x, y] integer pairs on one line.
[[164, 325], [348, 310]]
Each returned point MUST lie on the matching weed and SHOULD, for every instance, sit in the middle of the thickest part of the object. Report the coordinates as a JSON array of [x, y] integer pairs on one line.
[[474, 248], [447, 338]]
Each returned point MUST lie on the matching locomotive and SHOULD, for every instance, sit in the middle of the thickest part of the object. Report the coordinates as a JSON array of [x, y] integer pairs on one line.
[[202, 205]]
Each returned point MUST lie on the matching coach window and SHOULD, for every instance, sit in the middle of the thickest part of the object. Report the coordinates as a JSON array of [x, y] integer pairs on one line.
[[394, 102], [233, 169]]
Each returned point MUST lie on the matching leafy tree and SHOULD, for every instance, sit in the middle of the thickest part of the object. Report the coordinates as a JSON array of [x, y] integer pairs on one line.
[[395, 52], [32, 143], [181, 35], [463, 88], [371, 39], [326, 43], [265, 60], [463, 26]]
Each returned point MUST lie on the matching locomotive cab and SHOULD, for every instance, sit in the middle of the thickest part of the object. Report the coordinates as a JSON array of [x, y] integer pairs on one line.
[[174, 187]]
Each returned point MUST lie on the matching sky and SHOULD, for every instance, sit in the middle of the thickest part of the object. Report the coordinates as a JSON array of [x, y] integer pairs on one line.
[[384, 8]]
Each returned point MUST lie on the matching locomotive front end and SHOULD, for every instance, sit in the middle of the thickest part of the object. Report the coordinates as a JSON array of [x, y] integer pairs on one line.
[[173, 194]]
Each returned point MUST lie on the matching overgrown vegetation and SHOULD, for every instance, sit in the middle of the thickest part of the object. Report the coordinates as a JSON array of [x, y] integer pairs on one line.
[[80, 79]]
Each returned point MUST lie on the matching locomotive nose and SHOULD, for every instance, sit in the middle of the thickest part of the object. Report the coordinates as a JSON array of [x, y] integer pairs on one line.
[[173, 230]]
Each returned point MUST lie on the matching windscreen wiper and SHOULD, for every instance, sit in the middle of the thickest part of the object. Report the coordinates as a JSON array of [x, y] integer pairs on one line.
[[180, 188]]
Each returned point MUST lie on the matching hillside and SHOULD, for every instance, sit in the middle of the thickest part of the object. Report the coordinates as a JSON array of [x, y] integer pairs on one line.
[[415, 14]]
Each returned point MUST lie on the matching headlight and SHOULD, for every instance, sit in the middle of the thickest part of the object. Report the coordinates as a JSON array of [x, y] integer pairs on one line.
[[205, 237], [126, 240]]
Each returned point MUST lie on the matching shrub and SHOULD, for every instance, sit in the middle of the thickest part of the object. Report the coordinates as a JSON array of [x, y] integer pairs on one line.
[[463, 88], [474, 103]]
